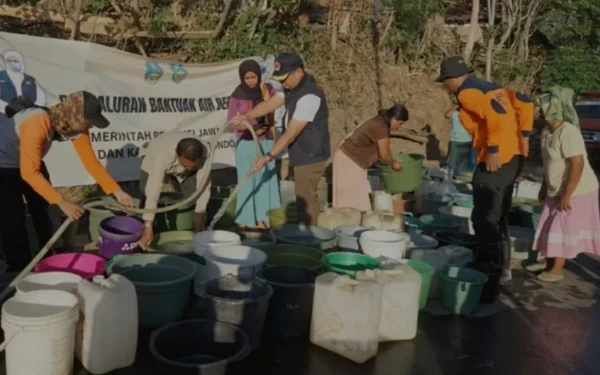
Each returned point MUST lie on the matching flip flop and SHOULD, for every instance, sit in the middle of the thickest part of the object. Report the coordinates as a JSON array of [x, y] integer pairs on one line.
[[535, 267], [550, 278]]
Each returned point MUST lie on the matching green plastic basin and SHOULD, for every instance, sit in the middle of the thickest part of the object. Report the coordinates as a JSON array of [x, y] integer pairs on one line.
[[349, 263], [173, 242], [406, 181], [461, 289]]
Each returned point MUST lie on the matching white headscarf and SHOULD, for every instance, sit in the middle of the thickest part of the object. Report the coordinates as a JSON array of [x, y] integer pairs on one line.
[[17, 67]]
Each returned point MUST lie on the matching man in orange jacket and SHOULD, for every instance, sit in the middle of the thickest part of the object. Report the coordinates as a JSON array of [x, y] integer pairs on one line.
[[498, 120]]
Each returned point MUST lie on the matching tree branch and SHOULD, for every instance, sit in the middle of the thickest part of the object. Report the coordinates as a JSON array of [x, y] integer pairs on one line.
[[224, 16]]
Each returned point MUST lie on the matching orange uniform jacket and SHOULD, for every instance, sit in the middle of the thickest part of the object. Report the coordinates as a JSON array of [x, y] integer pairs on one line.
[[496, 118]]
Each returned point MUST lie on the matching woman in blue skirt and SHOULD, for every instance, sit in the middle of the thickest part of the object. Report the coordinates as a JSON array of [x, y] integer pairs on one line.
[[261, 192]]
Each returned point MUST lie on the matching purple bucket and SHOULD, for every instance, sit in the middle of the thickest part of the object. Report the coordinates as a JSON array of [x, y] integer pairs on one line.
[[119, 235]]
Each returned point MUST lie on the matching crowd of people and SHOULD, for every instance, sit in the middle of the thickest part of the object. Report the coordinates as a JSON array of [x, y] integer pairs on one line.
[[490, 130]]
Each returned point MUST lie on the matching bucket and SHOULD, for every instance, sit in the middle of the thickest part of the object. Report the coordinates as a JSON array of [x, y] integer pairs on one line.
[[430, 204], [463, 200], [349, 263], [461, 215], [284, 215], [257, 239], [39, 332], [521, 242], [85, 265], [243, 303], [292, 255], [244, 262], [433, 223], [406, 181], [119, 235], [218, 196], [420, 241], [198, 347], [426, 272], [383, 244], [447, 237], [290, 308], [305, 235], [173, 242], [67, 282], [181, 219], [99, 213], [206, 240], [5, 281], [347, 237], [461, 289], [162, 283], [491, 289]]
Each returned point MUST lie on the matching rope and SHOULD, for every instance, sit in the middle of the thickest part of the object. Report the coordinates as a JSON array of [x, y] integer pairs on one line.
[[116, 206]]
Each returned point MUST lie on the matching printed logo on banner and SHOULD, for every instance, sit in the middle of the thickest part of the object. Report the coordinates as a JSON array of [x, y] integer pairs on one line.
[[153, 72], [179, 72], [14, 79]]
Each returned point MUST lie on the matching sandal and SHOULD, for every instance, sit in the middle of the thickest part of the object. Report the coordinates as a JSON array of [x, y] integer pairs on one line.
[[536, 267], [548, 277]]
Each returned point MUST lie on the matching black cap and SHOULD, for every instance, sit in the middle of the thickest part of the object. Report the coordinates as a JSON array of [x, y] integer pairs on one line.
[[453, 67], [92, 111], [285, 64]]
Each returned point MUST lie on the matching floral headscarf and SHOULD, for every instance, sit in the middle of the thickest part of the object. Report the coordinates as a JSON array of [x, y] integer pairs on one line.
[[557, 104]]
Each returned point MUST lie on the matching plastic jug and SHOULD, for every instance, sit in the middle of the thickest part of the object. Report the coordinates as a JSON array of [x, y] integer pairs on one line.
[[332, 218], [400, 307], [107, 331], [382, 201], [438, 259], [458, 255], [383, 221], [346, 315]]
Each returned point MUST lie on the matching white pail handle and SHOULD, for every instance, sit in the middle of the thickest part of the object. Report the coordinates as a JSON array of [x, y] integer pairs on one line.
[[7, 340]]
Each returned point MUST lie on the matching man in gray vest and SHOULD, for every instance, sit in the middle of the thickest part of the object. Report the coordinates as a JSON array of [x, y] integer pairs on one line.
[[306, 133]]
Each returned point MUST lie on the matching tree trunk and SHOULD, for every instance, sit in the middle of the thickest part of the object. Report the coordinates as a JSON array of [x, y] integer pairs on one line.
[[472, 31], [76, 14], [221, 26], [491, 39]]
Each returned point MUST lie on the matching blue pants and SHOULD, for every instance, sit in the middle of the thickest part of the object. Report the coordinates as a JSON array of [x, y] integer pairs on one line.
[[261, 192]]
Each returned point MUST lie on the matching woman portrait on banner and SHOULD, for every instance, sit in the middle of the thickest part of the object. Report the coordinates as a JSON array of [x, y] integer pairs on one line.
[[261, 192], [26, 136], [369, 142]]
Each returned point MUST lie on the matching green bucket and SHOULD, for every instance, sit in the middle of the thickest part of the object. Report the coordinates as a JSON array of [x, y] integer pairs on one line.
[[434, 223], [283, 215], [181, 219], [173, 242], [349, 263], [426, 272], [406, 181], [461, 289], [529, 216], [293, 255], [218, 196]]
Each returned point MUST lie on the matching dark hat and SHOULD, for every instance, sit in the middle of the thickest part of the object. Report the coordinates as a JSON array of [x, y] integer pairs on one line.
[[453, 67], [92, 111], [285, 64]]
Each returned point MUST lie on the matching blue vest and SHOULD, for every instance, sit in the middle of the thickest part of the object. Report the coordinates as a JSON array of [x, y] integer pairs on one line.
[[313, 144], [8, 91]]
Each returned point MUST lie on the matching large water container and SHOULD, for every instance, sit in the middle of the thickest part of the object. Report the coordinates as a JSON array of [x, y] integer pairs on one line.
[[382, 201], [383, 221], [106, 338], [346, 316], [332, 218], [438, 259], [400, 308]]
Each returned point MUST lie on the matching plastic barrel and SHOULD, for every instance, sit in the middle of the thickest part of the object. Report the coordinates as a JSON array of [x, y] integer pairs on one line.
[[349, 263], [426, 272], [462, 289], [119, 235], [230, 300], [198, 347], [163, 285], [292, 255], [290, 308]]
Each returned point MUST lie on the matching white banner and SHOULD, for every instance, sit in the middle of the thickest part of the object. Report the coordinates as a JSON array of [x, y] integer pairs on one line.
[[142, 98]]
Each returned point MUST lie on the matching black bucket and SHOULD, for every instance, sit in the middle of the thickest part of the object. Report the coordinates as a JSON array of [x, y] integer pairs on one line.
[[491, 289], [230, 300], [448, 237], [290, 309], [198, 347]]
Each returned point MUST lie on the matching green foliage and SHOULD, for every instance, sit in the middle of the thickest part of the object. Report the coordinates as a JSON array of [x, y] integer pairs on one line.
[[413, 16], [573, 23], [161, 21], [572, 67], [95, 6]]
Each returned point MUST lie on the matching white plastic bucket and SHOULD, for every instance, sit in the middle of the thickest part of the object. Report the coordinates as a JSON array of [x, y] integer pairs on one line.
[[347, 237], [205, 240], [39, 332], [243, 261], [383, 244], [67, 282]]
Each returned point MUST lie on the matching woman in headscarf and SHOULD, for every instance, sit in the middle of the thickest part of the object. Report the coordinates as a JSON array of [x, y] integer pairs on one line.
[[261, 192], [570, 221], [24, 141], [369, 142]]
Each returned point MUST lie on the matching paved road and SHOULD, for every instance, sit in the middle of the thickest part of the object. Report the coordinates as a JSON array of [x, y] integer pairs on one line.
[[536, 330]]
